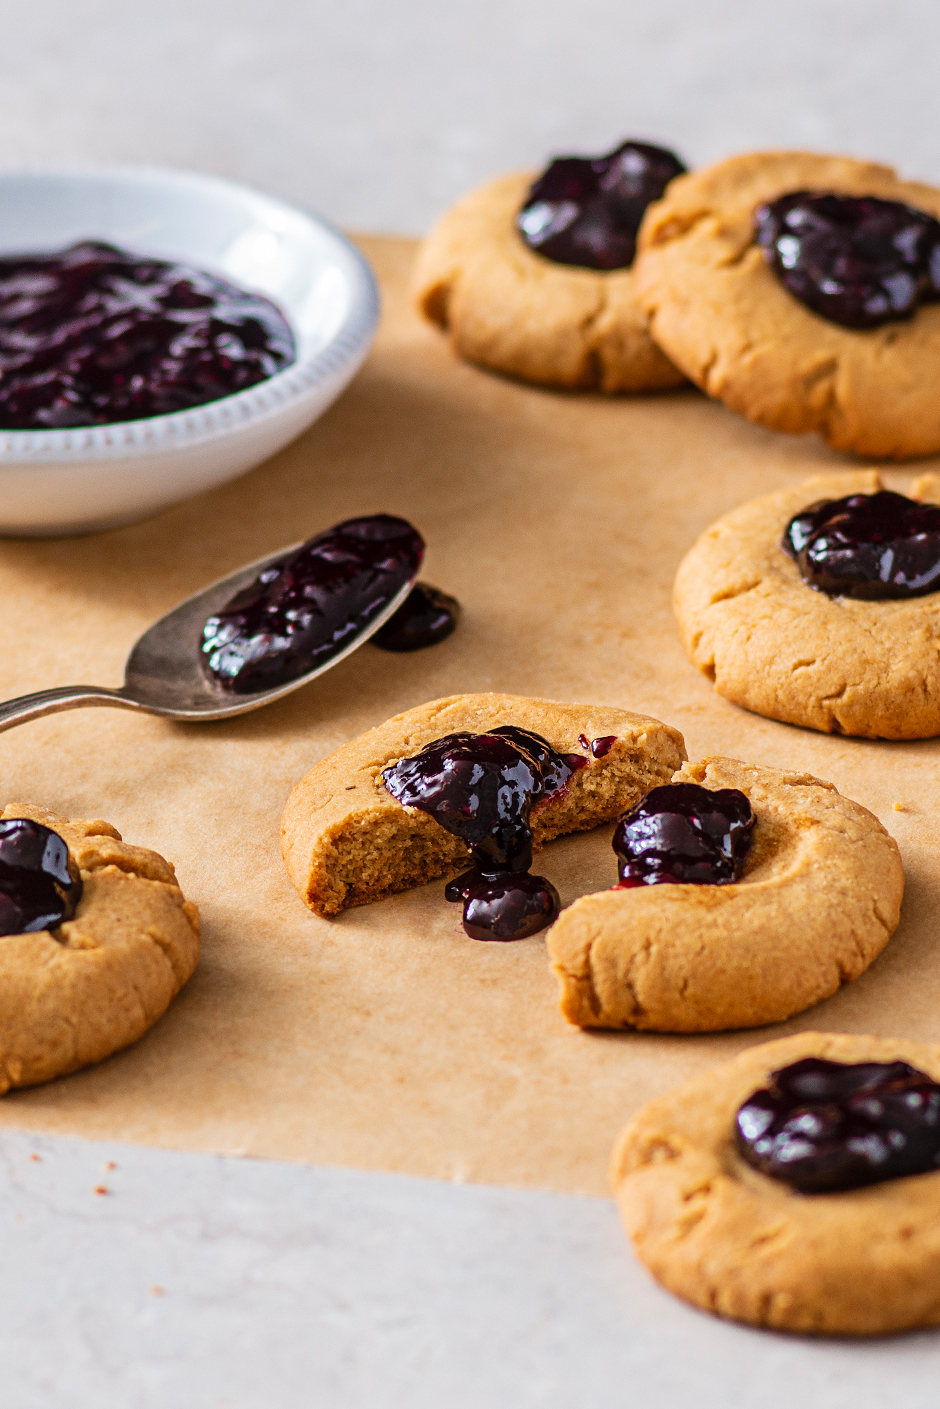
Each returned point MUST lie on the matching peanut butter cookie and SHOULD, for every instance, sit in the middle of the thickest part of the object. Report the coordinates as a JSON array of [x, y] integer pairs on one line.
[[514, 311], [74, 993], [780, 648], [719, 311], [347, 841], [818, 900], [728, 1238]]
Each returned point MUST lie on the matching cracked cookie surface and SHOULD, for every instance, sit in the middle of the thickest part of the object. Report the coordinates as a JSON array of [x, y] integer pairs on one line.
[[516, 312], [775, 646], [346, 841], [733, 1241], [819, 899], [720, 313], [71, 998]]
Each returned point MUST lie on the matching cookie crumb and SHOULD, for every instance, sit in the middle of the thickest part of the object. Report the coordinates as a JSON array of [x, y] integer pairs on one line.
[[36, 1158], [157, 1291], [100, 1189], [899, 807]]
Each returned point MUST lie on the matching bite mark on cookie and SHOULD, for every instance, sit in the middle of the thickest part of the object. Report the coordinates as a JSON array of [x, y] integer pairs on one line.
[[818, 901]]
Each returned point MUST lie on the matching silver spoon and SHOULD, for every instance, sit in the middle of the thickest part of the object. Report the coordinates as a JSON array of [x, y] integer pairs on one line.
[[163, 674]]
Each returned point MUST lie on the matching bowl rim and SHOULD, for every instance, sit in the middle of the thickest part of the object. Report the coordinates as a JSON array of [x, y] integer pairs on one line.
[[182, 429]]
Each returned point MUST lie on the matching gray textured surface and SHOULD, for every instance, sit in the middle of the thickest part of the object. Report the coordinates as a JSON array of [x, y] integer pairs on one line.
[[285, 1287], [380, 114]]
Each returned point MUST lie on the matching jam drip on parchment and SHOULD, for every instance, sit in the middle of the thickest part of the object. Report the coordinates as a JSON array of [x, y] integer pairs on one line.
[[824, 1126], [426, 617], [91, 335], [586, 211], [482, 788], [302, 611], [876, 547], [39, 886], [857, 260], [684, 834]]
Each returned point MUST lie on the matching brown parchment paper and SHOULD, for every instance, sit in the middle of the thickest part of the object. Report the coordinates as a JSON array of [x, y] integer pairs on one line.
[[386, 1039]]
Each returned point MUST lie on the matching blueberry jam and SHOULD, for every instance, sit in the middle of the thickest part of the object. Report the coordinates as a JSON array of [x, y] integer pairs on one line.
[[587, 210], [482, 788], [92, 334], [509, 906], [302, 611], [426, 616], [872, 546], [599, 747], [857, 260], [38, 886], [823, 1126], [684, 834]]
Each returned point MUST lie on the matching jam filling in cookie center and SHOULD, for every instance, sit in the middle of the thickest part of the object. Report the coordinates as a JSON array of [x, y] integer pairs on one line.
[[858, 260], [92, 335], [586, 211], [305, 609], [39, 888], [875, 547], [426, 616], [482, 788], [824, 1126], [684, 834]]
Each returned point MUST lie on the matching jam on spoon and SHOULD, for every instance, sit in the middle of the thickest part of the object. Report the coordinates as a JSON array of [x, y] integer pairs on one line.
[[91, 335], [586, 211], [824, 1126], [875, 547], [306, 608], [39, 886], [684, 834], [482, 788], [857, 260], [426, 616]]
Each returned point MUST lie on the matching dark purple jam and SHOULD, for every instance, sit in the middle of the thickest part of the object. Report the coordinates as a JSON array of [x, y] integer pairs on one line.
[[599, 748], [426, 616], [587, 210], [310, 606], [482, 788], [875, 547], [684, 834], [38, 886], [509, 906], [91, 334], [823, 1126], [857, 260]]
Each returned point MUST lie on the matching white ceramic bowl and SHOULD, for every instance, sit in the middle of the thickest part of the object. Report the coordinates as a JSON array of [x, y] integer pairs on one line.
[[75, 481]]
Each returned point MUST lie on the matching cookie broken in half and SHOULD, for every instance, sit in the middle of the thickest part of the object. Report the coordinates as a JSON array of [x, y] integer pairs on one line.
[[346, 840]]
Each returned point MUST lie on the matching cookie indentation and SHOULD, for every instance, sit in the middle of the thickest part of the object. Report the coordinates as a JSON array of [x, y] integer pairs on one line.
[[39, 883], [857, 260], [821, 1126], [586, 211]]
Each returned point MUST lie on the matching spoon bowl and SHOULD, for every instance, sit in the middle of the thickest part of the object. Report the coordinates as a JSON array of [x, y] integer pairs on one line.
[[164, 675]]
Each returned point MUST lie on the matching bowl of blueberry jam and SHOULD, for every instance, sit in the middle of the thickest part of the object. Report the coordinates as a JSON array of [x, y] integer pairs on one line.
[[160, 333]]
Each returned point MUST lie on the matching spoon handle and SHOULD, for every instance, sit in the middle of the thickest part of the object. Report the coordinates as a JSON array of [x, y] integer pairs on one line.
[[20, 711]]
